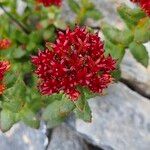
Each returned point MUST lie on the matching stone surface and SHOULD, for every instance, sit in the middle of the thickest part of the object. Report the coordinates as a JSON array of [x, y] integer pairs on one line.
[[121, 120], [136, 74], [63, 138], [21, 137]]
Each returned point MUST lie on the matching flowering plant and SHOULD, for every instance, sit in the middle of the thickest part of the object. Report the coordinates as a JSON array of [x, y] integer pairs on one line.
[[49, 67]]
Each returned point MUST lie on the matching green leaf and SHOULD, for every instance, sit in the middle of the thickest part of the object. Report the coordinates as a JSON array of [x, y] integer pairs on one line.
[[56, 97], [19, 36], [58, 110], [36, 36], [94, 14], [60, 24], [18, 53], [130, 16], [116, 36], [31, 46], [15, 96], [12, 104], [29, 118], [19, 89], [140, 53], [142, 31], [116, 74], [7, 119], [116, 51], [88, 94], [80, 103], [86, 114], [74, 6], [87, 4]]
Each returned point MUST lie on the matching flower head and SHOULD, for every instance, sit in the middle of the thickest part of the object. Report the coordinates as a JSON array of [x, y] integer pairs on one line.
[[50, 2], [144, 4], [4, 44], [76, 60], [2, 88], [4, 66]]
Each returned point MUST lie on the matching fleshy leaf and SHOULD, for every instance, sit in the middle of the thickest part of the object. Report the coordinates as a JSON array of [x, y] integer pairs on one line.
[[58, 110], [140, 53], [142, 31], [116, 36], [74, 6], [86, 114], [94, 14], [116, 51], [130, 16], [7, 119], [29, 118]]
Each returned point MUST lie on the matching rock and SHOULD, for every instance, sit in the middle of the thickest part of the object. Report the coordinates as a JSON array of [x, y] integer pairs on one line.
[[21, 137], [63, 138], [135, 74], [121, 120]]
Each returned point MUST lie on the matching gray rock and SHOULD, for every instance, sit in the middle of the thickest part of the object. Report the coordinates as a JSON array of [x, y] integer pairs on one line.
[[21, 137], [136, 74], [63, 138], [121, 120]]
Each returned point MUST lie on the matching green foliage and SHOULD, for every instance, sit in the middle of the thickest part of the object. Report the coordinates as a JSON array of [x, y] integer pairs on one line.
[[130, 16], [117, 51], [74, 6], [80, 103], [85, 114], [57, 111], [117, 36], [82, 110], [84, 10], [20, 106], [140, 53], [131, 37], [142, 31], [7, 119]]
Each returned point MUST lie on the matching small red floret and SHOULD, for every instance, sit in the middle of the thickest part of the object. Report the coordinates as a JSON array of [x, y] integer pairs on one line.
[[4, 44], [4, 66], [47, 3]]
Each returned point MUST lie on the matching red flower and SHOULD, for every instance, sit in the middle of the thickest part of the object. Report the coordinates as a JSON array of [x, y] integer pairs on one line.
[[76, 60], [2, 88], [4, 44], [4, 66], [144, 4], [50, 2]]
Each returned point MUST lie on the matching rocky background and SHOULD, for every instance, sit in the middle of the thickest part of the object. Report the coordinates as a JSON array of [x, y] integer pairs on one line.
[[121, 119]]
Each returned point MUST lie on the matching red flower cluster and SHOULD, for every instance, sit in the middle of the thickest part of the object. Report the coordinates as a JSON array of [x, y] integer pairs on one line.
[[50, 2], [4, 66], [4, 44], [75, 60], [144, 4]]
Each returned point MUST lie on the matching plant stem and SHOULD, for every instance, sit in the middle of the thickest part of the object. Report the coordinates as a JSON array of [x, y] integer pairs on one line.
[[22, 26]]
